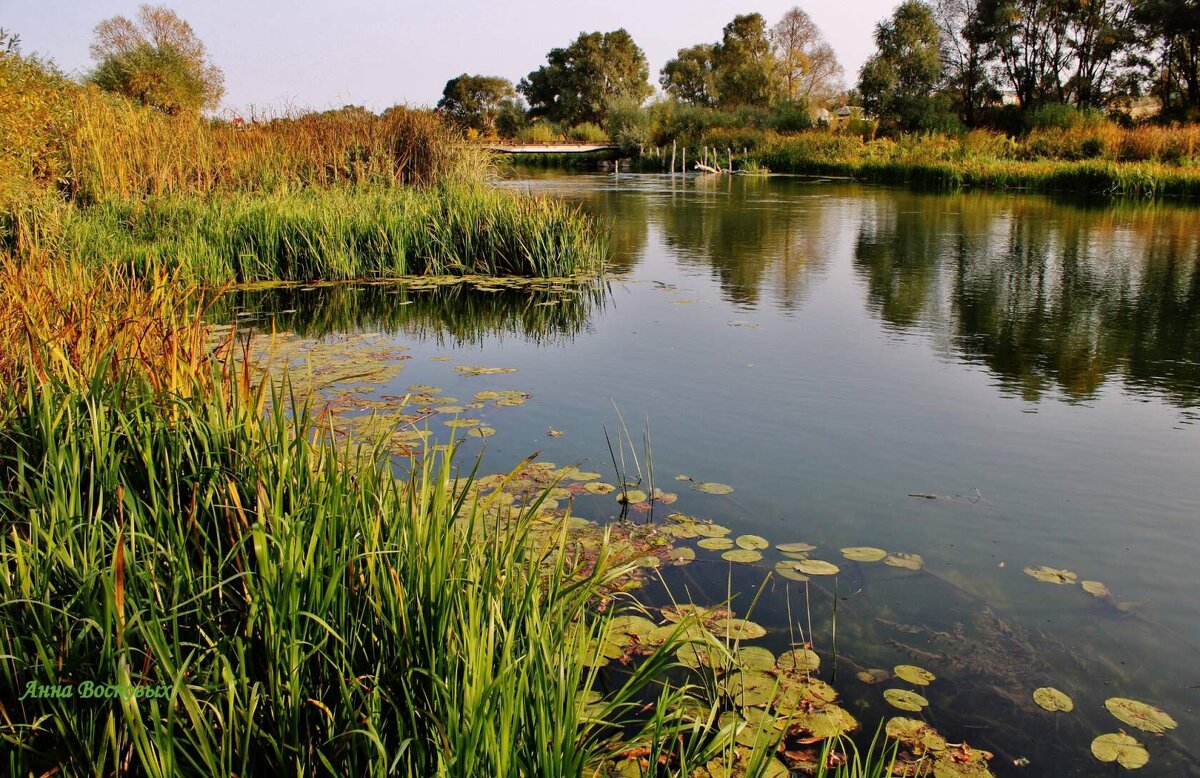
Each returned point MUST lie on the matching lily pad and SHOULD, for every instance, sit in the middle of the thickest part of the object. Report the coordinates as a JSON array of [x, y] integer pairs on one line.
[[864, 554], [906, 561], [914, 675], [682, 555], [743, 556], [795, 548], [460, 423], [754, 658], [473, 370], [1096, 589], [715, 544], [482, 432], [1051, 575], [712, 530], [1051, 699], [737, 629], [1141, 715], [750, 688], [752, 542], [712, 487], [599, 487], [800, 660], [817, 567], [873, 675], [632, 496], [1122, 749], [916, 734], [827, 721], [789, 569], [905, 700]]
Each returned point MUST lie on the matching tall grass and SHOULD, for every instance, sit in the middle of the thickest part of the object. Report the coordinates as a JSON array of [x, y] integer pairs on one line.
[[336, 234]]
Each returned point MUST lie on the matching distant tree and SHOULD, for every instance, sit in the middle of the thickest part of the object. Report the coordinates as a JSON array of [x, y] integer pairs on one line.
[[1172, 27], [965, 58], [157, 60], [747, 72], [475, 102], [899, 82], [578, 83], [690, 76], [511, 117], [809, 67]]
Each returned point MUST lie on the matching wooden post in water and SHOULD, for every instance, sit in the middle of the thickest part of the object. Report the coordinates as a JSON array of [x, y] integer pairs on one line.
[[683, 163], [729, 151], [672, 157]]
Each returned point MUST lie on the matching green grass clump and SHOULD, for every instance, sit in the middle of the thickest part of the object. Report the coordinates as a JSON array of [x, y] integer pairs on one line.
[[337, 234], [309, 612]]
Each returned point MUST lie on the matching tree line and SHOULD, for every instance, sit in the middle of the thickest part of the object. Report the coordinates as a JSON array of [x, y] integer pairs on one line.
[[938, 65]]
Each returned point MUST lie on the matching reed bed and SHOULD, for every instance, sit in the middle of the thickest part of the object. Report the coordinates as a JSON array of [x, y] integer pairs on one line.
[[336, 234]]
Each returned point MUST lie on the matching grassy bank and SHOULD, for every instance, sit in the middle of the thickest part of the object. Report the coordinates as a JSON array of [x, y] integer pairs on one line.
[[335, 234], [1145, 162]]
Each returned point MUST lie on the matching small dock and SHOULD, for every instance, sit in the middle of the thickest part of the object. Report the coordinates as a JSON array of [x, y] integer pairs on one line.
[[558, 147]]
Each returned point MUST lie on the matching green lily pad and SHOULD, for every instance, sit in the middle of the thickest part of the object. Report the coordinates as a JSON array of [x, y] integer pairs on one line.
[[1141, 715], [1052, 699], [752, 542], [711, 487], [682, 555], [827, 721], [906, 561], [788, 568], [754, 658], [482, 432], [460, 423], [599, 487], [712, 530], [473, 370], [873, 675], [864, 554], [715, 544], [905, 700], [742, 556], [1051, 575], [632, 496], [622, 629], [795, 548], [800, 660], [1096, 589], [737, 629], [817, 567], [914, 675], [750, 688], [916, 734], [1122, 749]]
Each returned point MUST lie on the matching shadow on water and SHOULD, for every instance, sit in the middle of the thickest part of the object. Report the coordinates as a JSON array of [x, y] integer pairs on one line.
[[455, 314]]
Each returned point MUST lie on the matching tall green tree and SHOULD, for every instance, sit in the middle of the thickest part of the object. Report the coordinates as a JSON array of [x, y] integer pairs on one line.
[[474, 102], [746, 70], [1173, 27], [157, 60], [1029, 40], [1103, 43], [578, 83], [690, 77], [899, 83], [965, 58]]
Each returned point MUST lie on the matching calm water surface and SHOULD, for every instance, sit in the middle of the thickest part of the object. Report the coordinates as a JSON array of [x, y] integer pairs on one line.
[[829, 350]]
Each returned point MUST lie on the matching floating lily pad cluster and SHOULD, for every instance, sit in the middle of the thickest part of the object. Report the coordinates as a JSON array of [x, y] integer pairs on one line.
[[924, 751], [1119, 747]]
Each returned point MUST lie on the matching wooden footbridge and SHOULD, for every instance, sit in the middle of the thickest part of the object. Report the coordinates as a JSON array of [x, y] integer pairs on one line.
[[556, 147]]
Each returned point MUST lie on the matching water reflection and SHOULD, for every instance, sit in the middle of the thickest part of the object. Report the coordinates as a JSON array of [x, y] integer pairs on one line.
[[460, 314], [1046, 296]]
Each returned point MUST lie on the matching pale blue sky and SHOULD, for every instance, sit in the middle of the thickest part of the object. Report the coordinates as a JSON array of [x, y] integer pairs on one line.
[[280, 54]]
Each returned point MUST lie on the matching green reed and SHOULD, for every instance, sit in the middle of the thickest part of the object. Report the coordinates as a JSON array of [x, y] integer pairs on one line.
[[310, 611], [337, 234]]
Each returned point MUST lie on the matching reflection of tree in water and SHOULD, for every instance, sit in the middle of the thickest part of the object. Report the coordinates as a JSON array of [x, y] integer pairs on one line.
[[457, 312], [747, 229], [1043, 294]]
